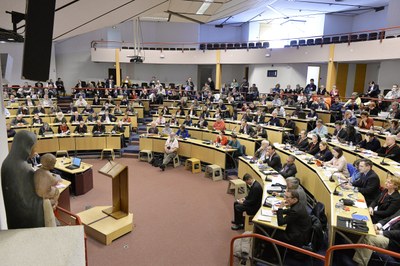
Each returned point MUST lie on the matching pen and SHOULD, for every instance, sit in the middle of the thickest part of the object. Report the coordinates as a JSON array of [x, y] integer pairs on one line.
[[354, 212]]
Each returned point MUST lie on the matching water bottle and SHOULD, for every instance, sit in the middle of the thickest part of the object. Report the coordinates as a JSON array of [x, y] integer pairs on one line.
[[351, 144]]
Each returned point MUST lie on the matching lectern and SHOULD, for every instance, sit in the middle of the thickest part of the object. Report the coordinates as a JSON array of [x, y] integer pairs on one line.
[[120, 194], [105, 223]]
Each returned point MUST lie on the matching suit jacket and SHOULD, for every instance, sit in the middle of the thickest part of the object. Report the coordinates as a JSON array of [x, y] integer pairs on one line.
[[112, 118], [99, 129], [395, 150], [372, 145], [274, 122], [298, 224], [288, 170], [253, 200], [374, 92], [302, 144], [76, 119], [387, 205], [368, 185], [259, 119], [313, 149], [274, 162], [393, 234], [249, 130], [341, 134], [79, 129], [325, 155]]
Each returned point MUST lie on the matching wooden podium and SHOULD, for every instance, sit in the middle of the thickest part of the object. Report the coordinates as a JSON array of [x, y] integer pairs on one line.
[[106, 224]]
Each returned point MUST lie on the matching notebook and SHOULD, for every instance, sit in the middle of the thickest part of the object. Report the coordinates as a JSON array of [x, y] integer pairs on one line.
[[75, 164]]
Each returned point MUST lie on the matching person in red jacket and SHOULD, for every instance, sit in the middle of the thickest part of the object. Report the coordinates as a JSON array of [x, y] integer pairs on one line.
[[366, 122]]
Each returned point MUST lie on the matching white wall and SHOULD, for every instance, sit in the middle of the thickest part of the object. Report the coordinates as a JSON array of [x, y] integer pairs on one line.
[[335, 24], [15, 53], [209, 33], [170, 32], [230, 72], [372, 73], [350, 79], [388, 74], [370, 20]]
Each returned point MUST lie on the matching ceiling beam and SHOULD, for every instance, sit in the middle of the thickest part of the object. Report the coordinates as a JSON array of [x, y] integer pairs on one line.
[[184, 17]]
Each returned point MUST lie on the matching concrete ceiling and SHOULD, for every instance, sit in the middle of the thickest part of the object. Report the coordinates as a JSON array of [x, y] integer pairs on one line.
[[76, 17]]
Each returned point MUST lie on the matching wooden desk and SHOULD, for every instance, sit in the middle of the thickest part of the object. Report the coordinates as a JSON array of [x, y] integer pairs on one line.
[[81, 179], [64, 198]]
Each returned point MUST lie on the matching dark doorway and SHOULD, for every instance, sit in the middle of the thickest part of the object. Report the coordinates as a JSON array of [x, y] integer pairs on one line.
[[113, 71]]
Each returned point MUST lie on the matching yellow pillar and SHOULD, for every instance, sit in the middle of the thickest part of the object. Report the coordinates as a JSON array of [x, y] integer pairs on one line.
[[218, 70], [332, 70], [117, 69]]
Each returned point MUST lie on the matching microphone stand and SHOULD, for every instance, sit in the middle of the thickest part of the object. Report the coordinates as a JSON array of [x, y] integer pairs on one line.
[[387, 156], [337, 193]]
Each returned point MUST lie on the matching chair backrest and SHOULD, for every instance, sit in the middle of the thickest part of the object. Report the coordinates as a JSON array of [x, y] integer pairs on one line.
[[317, 234], [302, 42], [319, 212], [351, 168], [310, 42]]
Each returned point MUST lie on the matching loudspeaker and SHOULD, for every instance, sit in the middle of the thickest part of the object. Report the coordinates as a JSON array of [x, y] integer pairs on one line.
[[38, 39]]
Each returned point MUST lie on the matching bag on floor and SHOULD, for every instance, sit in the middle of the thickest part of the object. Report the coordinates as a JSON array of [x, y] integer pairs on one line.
[[242, 248]]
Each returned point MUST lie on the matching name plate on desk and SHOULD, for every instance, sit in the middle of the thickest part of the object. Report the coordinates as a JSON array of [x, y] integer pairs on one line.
[[352, 224]]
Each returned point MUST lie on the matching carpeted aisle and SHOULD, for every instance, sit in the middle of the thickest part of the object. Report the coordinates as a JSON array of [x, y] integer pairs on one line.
[[180, 218]]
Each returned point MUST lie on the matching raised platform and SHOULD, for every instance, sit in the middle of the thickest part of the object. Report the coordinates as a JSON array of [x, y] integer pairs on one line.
[[103, 227]]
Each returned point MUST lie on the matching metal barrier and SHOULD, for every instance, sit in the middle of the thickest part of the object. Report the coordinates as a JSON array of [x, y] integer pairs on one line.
[[329, 253]]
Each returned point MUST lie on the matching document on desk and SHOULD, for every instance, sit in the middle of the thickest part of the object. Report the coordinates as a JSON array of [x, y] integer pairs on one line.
[[361, 205], [264, 218], [274, 188], [265, 212]]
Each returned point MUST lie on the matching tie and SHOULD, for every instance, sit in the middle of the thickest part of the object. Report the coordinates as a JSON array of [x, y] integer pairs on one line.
[[391, 223]]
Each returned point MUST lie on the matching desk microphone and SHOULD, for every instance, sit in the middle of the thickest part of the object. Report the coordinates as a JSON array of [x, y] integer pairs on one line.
[[337, 193], [387, 156], [331, 178]]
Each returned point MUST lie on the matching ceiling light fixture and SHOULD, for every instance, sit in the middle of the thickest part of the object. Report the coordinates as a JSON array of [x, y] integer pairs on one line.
[[203, 8]]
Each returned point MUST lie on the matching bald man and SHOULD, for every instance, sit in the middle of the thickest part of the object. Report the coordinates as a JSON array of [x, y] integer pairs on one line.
[[390, 149]]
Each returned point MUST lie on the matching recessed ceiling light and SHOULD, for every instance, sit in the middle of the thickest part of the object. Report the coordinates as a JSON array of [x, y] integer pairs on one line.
[[11, 39]]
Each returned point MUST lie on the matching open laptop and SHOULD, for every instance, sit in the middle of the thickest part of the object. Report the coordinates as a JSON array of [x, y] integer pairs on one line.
[[75, 163]]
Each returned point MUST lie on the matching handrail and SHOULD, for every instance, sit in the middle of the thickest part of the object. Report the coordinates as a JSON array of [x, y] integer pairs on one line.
[[327, 258], [274, 241], [123, 43]]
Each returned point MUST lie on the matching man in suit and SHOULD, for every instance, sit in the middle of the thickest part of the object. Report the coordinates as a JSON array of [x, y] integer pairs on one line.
[[340, 133], [108, 118], [289, 168], [368, 182], [273, 159], [274, 121], [390, 149], [373, 90], [302, 141], [76, 118], [387, 237], [99, 128], [250, 204], [81, 128], [259, 132], [246, 128], [311, 87], [296, 219], [370, 142], [259, 118]]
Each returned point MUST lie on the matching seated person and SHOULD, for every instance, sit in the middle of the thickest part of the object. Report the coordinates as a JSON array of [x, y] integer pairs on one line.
[[99, 128], [10, 131], [247, 116], [108, 118], [182, 132], [313, 146], [23, 109], [274, 121], [81, 128], [235, 144], [390, 149], [188, 121], [63, 128], [45, 129], [39, 109], [349, 118], [219, 124], [353, 136], [202, 123], [302, 141], [88, 110], [172, 122], [167, 130], [118, 110], [92, 118], [261, 153], [289, 123], [273, 159], [324, 153], [388, 202], [180, 111], [161, 120], [59, 118], [260, 132], [387, 237], [370, 142], [368, 182], [338, 161], [19, 121], [119, 128], [245, 128], [312, 114], [340, 133], [36, 120], [170, 150], [366, 122], [192, 112], [76, 118], [259, 118], [320, 129], [289, 168], [218, 113], [296, 219], [250, 204], [394, 127], [221, 138], [153, 128], [294, 183]]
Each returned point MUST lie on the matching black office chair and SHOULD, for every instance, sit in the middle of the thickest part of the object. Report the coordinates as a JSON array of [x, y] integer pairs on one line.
[[229, 46], [293, 43], [318, 41], [202, 46], [373, 36], [302, 43], [326, 40], [265, 45], [236, 46], [362, 37], [243, 45], [353, 38], [344, 38], [216, 46], [310, 41], [222, 46], [251, 45], [335, 39], [209, 46], [258, 45]]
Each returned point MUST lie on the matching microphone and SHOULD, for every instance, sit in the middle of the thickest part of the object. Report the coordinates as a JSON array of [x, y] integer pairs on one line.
[[337, 193], [387, 156], [331, 178]]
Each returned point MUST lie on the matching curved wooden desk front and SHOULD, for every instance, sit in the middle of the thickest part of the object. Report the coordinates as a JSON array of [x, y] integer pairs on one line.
[[195, 148]]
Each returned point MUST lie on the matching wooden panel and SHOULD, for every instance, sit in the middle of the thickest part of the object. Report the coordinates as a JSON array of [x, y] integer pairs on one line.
[[47, 145], [67, 144], [146, 144], [94, 143], [341, 78], [359, 79]]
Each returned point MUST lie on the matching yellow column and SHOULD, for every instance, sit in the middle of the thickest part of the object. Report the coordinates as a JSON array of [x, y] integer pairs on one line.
[[332, 70], [117, 69], [218, 70]]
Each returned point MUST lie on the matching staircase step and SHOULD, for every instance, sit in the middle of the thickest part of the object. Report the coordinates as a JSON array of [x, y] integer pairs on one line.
[[131, 155]]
